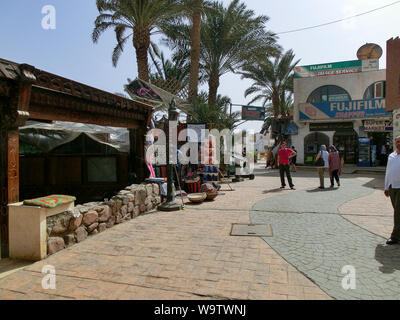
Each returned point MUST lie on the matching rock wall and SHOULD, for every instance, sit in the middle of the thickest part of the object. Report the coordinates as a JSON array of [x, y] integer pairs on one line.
[[68, 228]]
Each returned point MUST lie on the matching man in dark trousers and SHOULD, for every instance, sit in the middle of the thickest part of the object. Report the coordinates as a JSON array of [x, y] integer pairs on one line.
[[392, 189], [284, 156]]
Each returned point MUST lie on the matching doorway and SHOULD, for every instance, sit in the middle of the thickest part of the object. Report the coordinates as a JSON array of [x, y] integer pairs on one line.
[[347, 144]]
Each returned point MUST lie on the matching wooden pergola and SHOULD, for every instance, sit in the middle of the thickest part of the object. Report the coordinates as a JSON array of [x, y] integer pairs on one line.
[[30, 93]]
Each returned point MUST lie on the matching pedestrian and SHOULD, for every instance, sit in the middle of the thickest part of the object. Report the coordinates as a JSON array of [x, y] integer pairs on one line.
[[392, 189], [321, 170], [294, 160], [335, 166], [284, 156]]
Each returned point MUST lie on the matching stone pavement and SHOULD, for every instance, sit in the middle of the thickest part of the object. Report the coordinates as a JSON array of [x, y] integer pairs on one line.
[[310, 234], [191, 255]]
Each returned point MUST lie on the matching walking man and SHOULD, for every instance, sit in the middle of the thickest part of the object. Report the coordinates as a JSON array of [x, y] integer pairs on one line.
[[284, 156], [392, 189]]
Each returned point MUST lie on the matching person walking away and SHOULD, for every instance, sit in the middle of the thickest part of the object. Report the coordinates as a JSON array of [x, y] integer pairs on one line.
[[284, 156], [392, 189], [335, 167], [321, 171], [294, 160]]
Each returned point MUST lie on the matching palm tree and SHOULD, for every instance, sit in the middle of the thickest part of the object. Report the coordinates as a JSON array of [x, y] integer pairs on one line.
[[230, 37], [273, 80], [216, 115], [136, 19], [193, 10]]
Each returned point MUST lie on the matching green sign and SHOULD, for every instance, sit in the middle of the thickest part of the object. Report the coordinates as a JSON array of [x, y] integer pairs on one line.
[[253, 113], [335, 68]]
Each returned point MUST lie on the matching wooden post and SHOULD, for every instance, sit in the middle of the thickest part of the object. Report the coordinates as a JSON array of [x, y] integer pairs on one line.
[[14, 112]]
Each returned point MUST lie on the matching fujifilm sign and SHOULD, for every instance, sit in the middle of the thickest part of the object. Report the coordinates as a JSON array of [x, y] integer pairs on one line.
[[336, 68]]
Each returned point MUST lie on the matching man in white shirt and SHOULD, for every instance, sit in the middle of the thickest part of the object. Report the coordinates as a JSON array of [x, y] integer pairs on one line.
[[392, 189]]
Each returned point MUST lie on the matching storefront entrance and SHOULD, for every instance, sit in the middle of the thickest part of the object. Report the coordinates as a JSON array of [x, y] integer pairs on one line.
[[347, 144], [381, 144]]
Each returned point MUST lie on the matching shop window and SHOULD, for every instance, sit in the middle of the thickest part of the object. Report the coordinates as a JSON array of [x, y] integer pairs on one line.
[[101, 169], [376, 90], [328, 94]]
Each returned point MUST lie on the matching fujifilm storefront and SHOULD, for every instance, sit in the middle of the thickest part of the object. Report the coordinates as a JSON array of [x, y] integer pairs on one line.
[[342, 104]]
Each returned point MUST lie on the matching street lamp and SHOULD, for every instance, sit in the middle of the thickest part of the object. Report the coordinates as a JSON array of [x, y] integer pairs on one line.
[[170, 204]]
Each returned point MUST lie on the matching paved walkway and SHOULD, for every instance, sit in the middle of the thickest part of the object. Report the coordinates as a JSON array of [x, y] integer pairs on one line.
[[177, 255], [191, 255], [311, 235]]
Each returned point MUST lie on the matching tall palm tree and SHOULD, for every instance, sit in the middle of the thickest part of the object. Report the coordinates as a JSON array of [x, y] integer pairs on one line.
[[193, 10], [273, 80], [230, 37], [136, 20]]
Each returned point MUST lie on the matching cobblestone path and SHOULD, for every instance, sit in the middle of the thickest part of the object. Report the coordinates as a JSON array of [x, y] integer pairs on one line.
[[310, 234]]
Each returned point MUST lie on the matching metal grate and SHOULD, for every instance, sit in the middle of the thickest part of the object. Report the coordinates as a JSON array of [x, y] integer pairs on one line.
[[251, 230]]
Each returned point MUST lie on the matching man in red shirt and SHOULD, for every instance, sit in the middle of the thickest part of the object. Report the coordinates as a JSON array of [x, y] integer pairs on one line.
[[284, 156]]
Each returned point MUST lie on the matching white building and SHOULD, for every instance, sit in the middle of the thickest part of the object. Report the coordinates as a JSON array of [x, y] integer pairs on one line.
[[338, 103]]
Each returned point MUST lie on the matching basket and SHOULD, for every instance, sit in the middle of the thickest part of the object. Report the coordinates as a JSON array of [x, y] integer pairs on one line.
[[197, 197], [212, 195]]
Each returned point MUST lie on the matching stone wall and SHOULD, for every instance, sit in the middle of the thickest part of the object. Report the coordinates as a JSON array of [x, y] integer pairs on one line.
[[68, 228]]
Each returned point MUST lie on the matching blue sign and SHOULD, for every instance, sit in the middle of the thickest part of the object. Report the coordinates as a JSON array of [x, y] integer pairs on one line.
[[354, 109]]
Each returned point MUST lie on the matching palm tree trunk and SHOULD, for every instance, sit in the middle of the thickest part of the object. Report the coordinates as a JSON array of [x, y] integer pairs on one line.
[[194, 56], [275, 105], [213, 85], [141, 42]]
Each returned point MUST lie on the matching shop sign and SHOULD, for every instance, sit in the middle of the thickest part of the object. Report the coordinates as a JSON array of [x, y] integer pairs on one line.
[[253, 113], [331, 126], [336, 68], [355, 109], [396, 125], [378, 125]]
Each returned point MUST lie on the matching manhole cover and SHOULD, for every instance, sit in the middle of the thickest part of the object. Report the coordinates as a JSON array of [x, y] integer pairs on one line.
[[251, 230]]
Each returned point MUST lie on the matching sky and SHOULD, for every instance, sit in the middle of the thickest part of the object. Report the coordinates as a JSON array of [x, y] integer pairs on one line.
[[69, 51]]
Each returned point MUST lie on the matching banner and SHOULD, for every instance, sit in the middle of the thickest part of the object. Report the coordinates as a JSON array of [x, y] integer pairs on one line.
[[355, 109], [336, 68], [141, 90]]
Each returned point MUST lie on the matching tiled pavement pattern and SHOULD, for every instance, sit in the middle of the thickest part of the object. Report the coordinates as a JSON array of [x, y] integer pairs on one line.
[[178, 255], [311, 235]]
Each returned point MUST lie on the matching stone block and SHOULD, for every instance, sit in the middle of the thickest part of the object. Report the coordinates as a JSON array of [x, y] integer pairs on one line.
[[156, 189], [142, 208], [149, 189], [136, 211], [124, 210], [90, 217], [102, 227], [54, 245], [81, 234], [75, 223], [69, 239], [130, 207], [94, 232], [105, 214], [92, 227], [110, 223]]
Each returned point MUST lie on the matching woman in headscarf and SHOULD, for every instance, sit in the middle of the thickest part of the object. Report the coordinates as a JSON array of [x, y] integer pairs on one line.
[[321, 170], [335, 166]]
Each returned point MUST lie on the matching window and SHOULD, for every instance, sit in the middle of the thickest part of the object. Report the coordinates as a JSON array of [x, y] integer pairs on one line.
[[328, 94], [102, 169], [376, 90]]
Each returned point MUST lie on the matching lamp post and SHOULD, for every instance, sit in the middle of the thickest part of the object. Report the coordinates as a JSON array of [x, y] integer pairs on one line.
[[170, 204]]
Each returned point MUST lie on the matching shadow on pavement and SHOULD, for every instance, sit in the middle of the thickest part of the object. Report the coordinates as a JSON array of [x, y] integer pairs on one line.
[[389, 257], [273, 190], [322, 190], [8, 266]]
